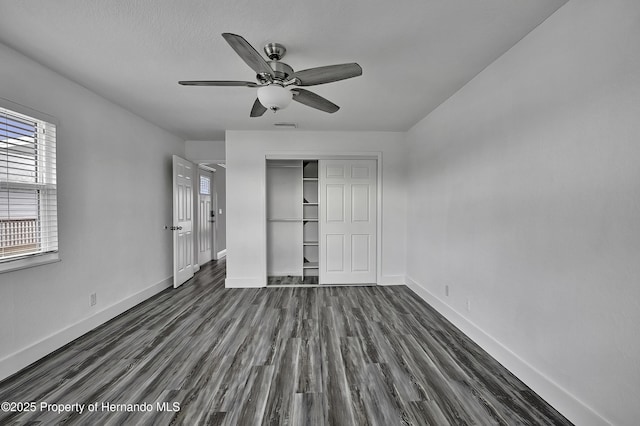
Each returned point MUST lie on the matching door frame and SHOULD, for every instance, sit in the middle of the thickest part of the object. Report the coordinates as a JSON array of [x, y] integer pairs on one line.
[[318, 155]]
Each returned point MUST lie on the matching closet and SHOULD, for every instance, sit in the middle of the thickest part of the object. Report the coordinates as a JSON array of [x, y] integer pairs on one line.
[[292, 222], [321, 221]]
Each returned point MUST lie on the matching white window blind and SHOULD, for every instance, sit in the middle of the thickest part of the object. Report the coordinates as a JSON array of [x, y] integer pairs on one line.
[[28, 201]]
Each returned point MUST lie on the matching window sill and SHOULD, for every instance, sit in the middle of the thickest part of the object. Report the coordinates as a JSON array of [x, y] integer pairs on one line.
[[29, 262]]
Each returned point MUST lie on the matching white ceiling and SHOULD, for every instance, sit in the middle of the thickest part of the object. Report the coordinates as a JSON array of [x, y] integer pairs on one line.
[[414, 54]]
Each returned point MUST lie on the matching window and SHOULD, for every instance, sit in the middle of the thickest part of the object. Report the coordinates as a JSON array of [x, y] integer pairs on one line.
[[205, 185], [28, 202]]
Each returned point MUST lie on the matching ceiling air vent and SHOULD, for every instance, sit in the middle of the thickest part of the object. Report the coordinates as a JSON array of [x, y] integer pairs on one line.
[[286, 125]]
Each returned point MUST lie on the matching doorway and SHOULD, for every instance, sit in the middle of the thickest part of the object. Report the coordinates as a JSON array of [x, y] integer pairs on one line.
[[206, 216]]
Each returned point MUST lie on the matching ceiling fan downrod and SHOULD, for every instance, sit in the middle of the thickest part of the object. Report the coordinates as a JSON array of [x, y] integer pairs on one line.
[[275, 51]]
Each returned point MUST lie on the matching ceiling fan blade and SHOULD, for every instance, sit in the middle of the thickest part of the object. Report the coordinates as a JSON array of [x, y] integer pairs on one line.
[[328, 74], [248, 53], [218, 83], [314, 101], [258, 109]]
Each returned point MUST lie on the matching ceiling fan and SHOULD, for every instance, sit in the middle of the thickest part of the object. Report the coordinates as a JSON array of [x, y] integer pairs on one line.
[[277, 83]]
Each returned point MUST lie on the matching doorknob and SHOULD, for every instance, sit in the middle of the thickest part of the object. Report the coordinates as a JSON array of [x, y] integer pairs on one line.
[[176, 228]]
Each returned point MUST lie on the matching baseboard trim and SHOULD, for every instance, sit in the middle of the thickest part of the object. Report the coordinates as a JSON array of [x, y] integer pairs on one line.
[[15, 362], [392, 280], [222, 253], [563, 401], [244, 283], [385, 280]]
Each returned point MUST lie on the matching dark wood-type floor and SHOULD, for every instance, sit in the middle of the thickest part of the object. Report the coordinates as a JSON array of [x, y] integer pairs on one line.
[[292, 280], [272, 356]]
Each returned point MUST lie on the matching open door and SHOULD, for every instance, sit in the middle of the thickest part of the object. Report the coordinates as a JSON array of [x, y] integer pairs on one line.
[[207, 208], [348, 224], [182, 220], [206, 217]]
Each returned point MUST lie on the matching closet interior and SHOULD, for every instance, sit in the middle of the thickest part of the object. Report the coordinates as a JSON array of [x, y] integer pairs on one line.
[[292, 222]]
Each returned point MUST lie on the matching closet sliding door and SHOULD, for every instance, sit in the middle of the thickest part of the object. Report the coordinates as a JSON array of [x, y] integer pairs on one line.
[[347, 205]]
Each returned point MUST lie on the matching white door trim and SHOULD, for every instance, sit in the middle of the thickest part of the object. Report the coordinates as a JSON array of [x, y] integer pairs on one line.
[[319, 155]]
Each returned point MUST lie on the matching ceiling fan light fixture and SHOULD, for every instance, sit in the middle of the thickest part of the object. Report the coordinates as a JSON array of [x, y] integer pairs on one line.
[[275, 78], [274, 97]]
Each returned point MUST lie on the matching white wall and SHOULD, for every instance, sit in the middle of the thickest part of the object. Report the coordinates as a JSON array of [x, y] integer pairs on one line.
[[114, 198], [205, 151], [245, 154], [525, 200]]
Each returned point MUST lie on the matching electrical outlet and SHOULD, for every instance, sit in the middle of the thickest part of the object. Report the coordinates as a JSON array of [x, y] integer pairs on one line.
[[446, 290], [94, 299]]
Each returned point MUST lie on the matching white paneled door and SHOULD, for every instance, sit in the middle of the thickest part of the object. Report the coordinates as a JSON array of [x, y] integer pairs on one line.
[[205, 217], [182, 220], [348, 191]]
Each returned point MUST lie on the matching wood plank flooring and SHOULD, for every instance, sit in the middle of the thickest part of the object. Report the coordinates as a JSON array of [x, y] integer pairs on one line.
[[275, 356], [292, 280]]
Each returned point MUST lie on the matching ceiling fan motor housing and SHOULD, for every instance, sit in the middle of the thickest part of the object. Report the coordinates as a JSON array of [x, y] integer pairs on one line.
[[281, 72]]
